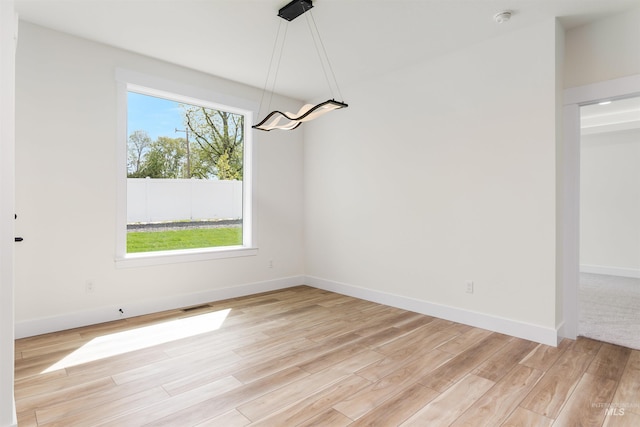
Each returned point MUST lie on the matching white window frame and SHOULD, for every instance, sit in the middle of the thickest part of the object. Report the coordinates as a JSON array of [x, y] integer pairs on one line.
[[154, 86]]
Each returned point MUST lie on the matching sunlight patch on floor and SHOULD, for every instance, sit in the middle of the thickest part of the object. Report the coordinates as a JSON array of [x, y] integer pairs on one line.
[[140, 338]]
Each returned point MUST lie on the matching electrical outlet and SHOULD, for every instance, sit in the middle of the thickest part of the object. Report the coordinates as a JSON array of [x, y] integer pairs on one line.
[[469, 286], [270, 263], [89, 287]]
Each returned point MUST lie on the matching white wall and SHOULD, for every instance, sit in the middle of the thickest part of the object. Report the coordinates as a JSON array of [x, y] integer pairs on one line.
[[8, 32], [563, 256], [610, 202], [603, 50], [442, 173], [66, 137]]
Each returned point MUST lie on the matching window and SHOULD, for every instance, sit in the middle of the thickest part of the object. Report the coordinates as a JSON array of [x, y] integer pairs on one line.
[[185, 173]]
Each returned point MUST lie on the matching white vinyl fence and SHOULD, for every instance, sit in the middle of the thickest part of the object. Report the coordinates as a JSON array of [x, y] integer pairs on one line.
[[155, 200]]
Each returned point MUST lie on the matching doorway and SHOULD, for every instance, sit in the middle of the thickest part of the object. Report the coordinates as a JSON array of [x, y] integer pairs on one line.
[[609, 279], [569, 191]]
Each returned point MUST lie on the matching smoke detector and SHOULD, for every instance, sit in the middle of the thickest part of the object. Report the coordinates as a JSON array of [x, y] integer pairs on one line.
[[502, 17]]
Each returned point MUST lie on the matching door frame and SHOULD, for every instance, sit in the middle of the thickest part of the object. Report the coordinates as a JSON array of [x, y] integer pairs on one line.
[[8, 40], [573, 99]]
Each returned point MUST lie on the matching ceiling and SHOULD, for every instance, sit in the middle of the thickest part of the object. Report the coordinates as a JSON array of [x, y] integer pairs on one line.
[[610, 116], [234, 39]]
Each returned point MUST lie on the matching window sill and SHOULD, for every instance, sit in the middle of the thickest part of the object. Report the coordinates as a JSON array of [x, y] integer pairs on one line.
[[146, 259]]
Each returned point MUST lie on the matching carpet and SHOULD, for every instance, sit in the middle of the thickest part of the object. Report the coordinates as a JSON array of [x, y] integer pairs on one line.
[[610, 309]]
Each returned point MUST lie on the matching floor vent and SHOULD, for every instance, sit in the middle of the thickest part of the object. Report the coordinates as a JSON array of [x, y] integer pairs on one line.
[[197, 307]]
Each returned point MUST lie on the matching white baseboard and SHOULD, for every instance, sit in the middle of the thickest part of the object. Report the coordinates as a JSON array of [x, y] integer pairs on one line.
[[564, 333], [77, 319], [531, 332], [14, 420], [610, 271], [540, 334]]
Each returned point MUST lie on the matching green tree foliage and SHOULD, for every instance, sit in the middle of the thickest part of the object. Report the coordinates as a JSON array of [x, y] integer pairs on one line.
[[219, 138], [226, 170], [137, 147], [215, 148], [201, 163], [166, 158]]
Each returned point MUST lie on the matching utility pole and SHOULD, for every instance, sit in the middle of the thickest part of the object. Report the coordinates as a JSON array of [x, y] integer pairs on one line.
[[186, 132]]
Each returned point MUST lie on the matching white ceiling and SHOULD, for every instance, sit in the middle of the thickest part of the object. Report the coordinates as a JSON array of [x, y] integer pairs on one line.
[[234, 38], [618, 115]]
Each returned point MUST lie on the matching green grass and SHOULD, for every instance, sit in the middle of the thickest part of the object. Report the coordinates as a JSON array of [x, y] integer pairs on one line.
[[152, 241]]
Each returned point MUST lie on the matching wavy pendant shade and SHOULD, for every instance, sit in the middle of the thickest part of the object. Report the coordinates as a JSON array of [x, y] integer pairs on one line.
[[289, 121]]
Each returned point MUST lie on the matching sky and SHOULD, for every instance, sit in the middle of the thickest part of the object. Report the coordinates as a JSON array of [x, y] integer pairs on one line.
[[156, 116]]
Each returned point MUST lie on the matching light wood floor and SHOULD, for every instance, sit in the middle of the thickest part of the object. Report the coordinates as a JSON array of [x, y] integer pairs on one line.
[[304, 356]]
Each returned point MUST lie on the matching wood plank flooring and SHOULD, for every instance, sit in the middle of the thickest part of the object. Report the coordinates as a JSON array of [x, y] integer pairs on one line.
[[308, 357]]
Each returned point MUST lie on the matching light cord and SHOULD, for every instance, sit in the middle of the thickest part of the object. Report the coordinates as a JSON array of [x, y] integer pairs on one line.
[[324, 50]]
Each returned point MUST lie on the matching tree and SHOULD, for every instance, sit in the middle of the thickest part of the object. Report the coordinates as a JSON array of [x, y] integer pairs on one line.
[[165, 158], [226, 171], [138, 145], [219, 138], [202, 166]]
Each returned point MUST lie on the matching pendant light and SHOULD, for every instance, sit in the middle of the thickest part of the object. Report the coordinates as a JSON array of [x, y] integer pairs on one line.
[[285, 120]]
